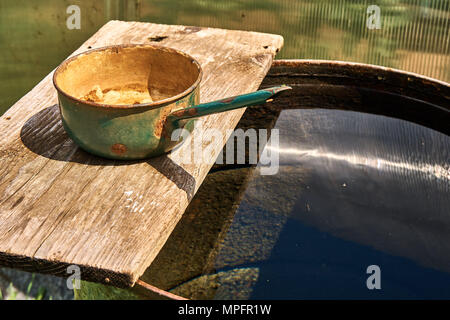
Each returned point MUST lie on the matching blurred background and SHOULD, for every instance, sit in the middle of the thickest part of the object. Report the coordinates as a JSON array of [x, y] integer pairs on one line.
[[413, 34]]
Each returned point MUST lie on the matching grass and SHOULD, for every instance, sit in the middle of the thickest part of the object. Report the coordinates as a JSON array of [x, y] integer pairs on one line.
[[41, 294]]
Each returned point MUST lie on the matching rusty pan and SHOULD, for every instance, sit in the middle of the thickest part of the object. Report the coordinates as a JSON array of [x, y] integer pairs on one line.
[[126, 101]]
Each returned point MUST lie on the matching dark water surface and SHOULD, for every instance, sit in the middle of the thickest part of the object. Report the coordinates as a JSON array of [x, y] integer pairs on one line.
[[353, 190]]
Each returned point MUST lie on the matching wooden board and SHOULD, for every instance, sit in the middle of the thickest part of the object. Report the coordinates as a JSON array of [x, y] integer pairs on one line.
[[60, 206]]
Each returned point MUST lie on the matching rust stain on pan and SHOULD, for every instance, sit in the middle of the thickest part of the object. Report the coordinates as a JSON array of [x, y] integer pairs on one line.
[[159, 125], [183, 112], [227, 100], [119, 148], [192, 111]]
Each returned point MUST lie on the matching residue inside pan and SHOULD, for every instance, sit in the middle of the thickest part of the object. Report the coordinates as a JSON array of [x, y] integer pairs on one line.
[[126, 95]]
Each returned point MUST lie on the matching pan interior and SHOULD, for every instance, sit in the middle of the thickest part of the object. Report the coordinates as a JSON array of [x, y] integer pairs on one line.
[[137, 73]]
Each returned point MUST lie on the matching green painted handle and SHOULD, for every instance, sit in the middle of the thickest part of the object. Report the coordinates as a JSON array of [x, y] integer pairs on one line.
[[227, 104]]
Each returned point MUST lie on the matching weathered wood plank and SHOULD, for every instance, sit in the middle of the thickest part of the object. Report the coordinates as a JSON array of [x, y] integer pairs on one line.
[[61, 206]]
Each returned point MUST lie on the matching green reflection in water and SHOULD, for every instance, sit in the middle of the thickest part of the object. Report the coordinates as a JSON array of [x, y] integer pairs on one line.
[[414, 34]]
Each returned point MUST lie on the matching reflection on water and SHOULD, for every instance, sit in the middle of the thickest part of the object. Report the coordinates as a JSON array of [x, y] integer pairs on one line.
[[414, 34], [353, 190]]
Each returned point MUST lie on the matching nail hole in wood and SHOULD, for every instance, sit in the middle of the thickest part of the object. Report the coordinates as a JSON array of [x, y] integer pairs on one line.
[[157, 38]]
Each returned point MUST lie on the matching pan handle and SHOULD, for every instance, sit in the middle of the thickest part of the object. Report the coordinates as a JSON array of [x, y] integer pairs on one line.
[[226, 104]]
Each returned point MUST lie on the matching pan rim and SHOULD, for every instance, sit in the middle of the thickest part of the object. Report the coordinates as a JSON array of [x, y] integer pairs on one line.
[[147, 106]]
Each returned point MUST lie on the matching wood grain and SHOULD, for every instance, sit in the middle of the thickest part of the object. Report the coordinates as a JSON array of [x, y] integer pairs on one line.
[[61, 206]]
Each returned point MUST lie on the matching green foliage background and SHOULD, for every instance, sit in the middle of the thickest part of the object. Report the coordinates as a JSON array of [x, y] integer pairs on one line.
[[414, 34]]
